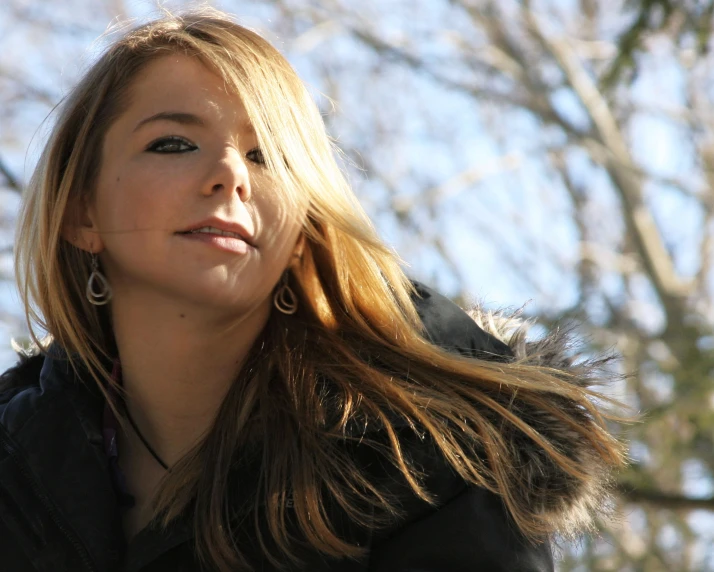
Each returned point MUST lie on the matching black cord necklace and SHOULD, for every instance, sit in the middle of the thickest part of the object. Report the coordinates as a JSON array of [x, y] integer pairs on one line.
[[144, 441]]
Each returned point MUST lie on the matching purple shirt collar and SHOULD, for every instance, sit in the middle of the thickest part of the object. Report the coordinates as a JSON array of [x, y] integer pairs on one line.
[[110, 431]]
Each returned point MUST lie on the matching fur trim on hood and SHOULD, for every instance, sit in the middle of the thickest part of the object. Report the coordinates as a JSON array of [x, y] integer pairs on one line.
[[573, 505]]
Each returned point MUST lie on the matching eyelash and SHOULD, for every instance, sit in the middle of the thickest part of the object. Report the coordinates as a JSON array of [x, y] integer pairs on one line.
[[258, 159], [255, 155], [156, 146]]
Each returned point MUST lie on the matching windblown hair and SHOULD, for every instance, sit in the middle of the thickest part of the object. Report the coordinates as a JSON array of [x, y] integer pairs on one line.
[[354, 352]]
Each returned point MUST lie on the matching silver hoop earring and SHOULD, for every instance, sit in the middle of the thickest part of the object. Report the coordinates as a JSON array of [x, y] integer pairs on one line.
[[284, 298], [98, 292]]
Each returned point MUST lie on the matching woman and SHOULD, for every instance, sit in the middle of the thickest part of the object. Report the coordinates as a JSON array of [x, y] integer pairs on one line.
[[239, 376]]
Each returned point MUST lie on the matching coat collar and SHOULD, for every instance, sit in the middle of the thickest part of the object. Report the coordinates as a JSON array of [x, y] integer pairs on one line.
[[57, 426]]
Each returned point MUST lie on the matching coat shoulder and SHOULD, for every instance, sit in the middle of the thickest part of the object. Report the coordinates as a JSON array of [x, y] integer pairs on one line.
[[472, 531], [451, 328], [19, 383], [467, 527], [25, 373]]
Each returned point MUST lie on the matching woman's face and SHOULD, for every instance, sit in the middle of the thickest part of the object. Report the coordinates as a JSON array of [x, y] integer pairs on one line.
[[183, 156]]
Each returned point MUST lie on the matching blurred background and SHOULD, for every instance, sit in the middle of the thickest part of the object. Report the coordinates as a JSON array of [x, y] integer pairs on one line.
[[553, 153]]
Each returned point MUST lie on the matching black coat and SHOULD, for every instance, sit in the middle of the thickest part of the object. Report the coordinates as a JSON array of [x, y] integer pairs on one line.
[[58, 510]]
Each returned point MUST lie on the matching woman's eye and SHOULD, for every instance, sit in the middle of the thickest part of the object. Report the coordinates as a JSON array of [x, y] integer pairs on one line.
[[171, 145], [256, 155]]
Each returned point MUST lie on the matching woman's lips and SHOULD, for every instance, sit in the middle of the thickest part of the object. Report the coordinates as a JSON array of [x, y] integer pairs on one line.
[[225, 243]]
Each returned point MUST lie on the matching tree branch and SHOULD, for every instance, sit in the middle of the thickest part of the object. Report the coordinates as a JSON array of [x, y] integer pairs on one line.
[[664, 500], [11, 181], [655, 258], [539, 107]]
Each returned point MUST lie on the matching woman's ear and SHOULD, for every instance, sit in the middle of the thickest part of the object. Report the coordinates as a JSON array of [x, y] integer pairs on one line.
[[299, 246], [79, 227]]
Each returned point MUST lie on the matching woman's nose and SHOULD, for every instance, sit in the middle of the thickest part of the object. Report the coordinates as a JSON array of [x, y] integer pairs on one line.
[[230, 174]]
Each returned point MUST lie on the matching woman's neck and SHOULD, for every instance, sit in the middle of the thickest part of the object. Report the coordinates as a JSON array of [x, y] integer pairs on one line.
[[177, 367]]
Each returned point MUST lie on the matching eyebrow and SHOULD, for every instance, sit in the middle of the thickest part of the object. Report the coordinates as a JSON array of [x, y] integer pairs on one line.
[[184, 119], [176, 116]]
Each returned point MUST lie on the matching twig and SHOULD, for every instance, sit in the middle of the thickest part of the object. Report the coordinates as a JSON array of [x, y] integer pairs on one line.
[[11, 181]]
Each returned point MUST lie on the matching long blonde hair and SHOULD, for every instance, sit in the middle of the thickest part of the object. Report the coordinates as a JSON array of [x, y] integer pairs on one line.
[[356, 327]]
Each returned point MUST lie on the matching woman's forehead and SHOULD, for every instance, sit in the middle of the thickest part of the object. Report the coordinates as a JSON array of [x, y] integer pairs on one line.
[[184, 90]]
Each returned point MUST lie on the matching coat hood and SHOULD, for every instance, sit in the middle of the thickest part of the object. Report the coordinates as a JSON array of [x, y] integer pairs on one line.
[[572, 505]]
